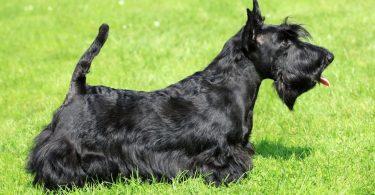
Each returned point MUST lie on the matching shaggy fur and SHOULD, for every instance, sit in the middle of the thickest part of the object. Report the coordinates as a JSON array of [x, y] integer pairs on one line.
[[201, 124]]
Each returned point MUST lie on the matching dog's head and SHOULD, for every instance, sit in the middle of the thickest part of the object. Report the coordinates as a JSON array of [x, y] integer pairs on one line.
[[279, 52]]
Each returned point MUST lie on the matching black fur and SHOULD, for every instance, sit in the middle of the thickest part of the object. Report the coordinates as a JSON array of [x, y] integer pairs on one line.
[[199, 125]]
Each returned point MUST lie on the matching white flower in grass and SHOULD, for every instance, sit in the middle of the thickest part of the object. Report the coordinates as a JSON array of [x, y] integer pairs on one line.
[[157, 23], [121, 2]]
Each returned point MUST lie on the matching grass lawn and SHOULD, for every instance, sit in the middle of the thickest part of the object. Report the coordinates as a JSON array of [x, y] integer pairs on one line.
[[326, 146]]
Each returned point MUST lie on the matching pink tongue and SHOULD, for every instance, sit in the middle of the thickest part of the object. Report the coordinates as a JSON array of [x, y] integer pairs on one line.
[[324, 81]]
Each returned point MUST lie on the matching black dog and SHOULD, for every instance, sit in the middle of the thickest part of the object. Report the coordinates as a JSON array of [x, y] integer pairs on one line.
[[199, 125]]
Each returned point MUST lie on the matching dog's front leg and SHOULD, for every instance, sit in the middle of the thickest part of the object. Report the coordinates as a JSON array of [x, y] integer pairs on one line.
[[247, 127], [225, 163]]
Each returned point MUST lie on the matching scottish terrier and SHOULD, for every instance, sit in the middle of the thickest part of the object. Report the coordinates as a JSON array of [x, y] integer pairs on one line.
[[200, 125]]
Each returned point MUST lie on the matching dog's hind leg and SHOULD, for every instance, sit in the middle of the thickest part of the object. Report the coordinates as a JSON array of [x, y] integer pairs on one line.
[[78, 81], [56, 163]]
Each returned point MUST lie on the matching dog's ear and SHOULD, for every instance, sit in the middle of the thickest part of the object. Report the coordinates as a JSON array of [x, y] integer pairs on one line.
[[253, 25], [256, 11]]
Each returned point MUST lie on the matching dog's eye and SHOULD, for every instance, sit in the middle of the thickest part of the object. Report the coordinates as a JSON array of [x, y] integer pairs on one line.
[[285, 43]]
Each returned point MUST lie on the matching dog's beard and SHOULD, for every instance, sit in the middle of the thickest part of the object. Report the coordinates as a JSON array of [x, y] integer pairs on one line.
[[289, 91]]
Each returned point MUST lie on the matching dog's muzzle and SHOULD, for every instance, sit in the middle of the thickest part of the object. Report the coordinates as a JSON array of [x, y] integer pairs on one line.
[[327, 61]]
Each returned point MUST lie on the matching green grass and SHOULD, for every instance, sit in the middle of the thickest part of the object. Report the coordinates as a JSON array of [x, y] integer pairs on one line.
[[325, 147]]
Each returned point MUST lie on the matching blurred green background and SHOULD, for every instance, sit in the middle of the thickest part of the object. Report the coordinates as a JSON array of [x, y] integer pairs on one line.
[[325, 146]]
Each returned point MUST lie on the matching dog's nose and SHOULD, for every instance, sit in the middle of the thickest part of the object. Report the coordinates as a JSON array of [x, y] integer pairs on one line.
[[330, 57]]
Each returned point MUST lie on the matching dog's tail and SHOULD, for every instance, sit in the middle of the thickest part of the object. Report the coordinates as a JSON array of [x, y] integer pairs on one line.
[[78, 82]]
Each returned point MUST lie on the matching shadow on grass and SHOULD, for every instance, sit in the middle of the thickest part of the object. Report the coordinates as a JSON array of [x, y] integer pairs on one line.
[[278, 150]]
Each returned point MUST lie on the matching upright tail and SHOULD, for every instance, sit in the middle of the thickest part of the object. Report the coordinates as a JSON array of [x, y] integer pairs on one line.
[[78, 82]]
